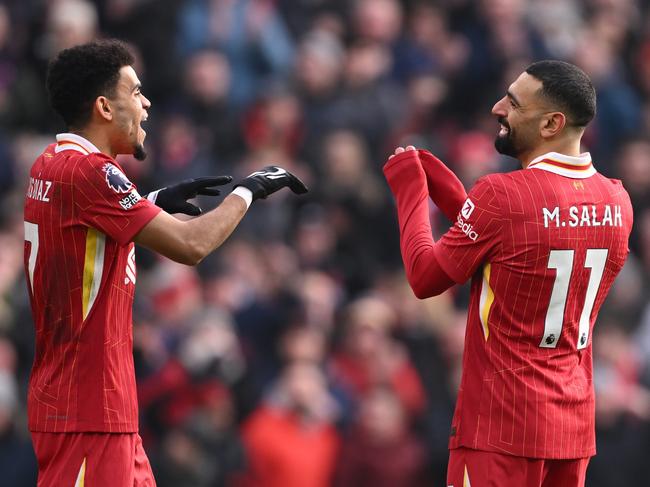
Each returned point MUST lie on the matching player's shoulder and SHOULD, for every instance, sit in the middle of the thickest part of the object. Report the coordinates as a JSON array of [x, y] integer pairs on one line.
[[50, 150], [519, 178], [500, 179], [93, 164], [488, 192], [79, 161], [504, 192], [44, 158], [616, 190], [612, 183], [494, 183], [96, 169], [98, 160]]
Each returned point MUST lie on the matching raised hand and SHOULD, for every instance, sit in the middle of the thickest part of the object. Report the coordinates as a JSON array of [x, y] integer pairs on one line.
[[270, 179], [444, 188], [173, 199]]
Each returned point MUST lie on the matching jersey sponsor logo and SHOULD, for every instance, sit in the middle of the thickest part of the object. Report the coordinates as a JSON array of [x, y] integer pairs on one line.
[[468, 208], [116, 179], [466, 228], [130, 200], [130, 267], [583, 216]]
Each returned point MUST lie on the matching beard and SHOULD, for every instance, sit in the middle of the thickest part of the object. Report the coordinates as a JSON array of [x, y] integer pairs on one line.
[[139, 153], [507, 144]]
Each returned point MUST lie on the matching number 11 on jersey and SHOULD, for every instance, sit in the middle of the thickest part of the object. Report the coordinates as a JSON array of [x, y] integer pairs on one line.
[[562, 262]]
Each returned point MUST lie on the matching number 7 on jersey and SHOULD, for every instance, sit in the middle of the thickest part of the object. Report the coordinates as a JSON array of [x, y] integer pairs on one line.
[[31, 236]]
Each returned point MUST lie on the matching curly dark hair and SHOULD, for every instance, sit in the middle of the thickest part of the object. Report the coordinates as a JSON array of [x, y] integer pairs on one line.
[[568, 88], [78, 75]]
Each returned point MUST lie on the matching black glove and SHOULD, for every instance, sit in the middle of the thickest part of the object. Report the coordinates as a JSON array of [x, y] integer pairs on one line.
[[173, 199], [270, 179]]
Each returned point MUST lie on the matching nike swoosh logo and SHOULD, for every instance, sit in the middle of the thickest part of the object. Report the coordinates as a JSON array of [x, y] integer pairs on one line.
[[276, 174]]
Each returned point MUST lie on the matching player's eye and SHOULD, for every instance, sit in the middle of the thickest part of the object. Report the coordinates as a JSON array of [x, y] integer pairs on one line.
[[512, 103]]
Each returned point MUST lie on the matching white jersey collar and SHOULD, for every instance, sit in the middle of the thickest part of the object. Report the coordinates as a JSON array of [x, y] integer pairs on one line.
[[67, 141], [569, 166]]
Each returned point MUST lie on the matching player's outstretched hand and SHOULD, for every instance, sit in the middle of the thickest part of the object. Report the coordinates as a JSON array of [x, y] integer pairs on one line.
[[270, 179], [173, 199]]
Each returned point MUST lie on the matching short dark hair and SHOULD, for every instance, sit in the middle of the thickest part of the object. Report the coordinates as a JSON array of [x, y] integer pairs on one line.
[[567, 87], [78, 75]]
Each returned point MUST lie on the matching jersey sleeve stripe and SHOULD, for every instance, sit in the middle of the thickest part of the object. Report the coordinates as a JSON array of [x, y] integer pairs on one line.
[[81, 476], [486, 300], [93, 268]]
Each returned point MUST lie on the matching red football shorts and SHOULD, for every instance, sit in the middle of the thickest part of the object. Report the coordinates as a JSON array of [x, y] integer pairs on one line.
[[91, 460], [477, 468]]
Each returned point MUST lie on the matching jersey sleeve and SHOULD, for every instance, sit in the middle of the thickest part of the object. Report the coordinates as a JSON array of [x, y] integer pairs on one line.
[[445, 189], [407, 180], [106, 200], [475, 237]]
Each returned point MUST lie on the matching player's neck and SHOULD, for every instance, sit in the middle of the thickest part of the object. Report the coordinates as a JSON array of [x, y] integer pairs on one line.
[[567, 148], [99, 138]]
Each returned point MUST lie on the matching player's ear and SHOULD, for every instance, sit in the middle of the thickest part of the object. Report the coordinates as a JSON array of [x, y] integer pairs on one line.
[[103, 108], [551, 124]]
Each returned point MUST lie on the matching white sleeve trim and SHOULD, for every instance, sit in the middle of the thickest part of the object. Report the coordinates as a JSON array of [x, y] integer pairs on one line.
[[244, 193], [153, 195]]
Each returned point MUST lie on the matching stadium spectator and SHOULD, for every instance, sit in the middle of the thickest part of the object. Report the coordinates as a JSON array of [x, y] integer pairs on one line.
[[369, 357], [380, 451], [290, 439]]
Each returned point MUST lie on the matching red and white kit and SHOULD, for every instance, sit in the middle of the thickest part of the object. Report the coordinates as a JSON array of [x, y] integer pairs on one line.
[[81, 215], [542, 247]]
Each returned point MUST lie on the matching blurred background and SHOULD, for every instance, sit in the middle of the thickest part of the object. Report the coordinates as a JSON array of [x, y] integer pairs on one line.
[[296, 355]]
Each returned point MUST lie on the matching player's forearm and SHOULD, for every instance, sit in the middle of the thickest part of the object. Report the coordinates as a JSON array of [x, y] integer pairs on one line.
[[416, 242], [208, 232], [189, 242], [407, 181], [423, 272], [445, 189]]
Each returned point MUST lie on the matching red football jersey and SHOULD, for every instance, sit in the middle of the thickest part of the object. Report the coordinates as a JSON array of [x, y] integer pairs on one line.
[[81, 214], [543, 246]]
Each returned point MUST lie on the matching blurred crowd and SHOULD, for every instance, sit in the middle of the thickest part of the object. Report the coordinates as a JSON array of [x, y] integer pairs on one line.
[[296, 355]]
